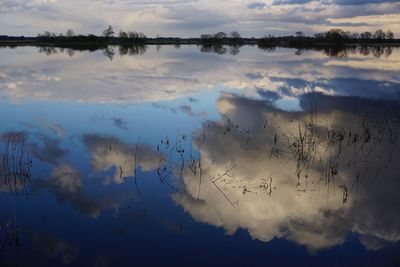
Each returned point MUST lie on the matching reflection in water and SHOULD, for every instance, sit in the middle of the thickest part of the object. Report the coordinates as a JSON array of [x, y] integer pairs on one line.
[[54, 248], [108, 152], [122, 160], [310, 177], [220, 49], [347, 51], [66, 183], [16, 164], [331, 51], [132, 50]]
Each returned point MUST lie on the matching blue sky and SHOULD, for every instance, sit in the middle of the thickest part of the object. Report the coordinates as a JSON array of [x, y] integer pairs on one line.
[[193, 17]]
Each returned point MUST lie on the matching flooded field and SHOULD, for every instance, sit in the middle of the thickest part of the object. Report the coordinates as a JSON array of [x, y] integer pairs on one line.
[[199, 156]]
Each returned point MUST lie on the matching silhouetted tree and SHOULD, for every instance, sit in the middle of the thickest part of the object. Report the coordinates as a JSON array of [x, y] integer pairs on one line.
[[133, 35], [299, 34], [366, 35], [319, 35], [123, 35], [336, 34], [220, 35], [235, 35], [379, 35], [389, 35], [142, 35], [354, 35], [69, 33], [207, 36], [109, 32]]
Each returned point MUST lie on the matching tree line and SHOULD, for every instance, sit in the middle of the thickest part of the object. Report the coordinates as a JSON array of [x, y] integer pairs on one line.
[[109, 35], [333, 34]]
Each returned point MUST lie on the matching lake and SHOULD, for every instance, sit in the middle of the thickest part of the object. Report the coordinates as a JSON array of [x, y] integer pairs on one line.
[[199, 156]]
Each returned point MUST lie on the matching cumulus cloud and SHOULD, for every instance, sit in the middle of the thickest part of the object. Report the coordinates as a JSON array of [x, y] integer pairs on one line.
[[172, 75], [49, 151], [67, 186], [109, 152], [186, 17], [291, 175]]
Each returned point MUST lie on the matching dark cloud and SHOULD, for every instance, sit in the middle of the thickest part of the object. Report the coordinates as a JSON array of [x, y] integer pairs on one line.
[[337, 2], [193, 100], [188, 110], [120, 123], [352, 104], [290, 2], [49, 151], [363, 2], [67, 186], [256, 5], [254, 76], [55, 249], [357, 87], [268, 95]]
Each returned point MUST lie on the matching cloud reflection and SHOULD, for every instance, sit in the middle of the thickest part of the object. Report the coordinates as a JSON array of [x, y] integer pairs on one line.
[[109, 152], [310, 177]]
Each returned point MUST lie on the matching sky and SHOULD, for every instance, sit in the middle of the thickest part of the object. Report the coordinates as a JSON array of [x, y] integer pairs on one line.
[[190, 18]]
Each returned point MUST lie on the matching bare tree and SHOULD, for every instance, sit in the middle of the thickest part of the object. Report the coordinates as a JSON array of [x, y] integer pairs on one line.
[[109, 32], [133, 35], [235, 35], [221, 35]]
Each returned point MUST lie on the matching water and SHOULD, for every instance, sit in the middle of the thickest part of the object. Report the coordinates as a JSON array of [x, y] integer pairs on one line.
[[166, 156]]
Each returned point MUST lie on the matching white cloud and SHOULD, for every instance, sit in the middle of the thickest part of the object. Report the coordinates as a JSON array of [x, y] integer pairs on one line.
[[260, 191], [108, 152], [173, 74], [184, 17]]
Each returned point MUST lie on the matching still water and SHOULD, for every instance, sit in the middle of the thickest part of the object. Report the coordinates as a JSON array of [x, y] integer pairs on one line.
[[188, 156]]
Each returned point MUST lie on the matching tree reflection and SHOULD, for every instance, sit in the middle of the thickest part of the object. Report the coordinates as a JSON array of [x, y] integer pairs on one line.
[[132, 50], [339, 51]]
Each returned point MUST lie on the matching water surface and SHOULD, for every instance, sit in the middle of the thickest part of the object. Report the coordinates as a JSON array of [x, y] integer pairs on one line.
[[199, 156]]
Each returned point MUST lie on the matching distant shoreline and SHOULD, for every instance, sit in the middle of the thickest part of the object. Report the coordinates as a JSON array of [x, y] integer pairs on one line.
[[305, 42], [124, 46]]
